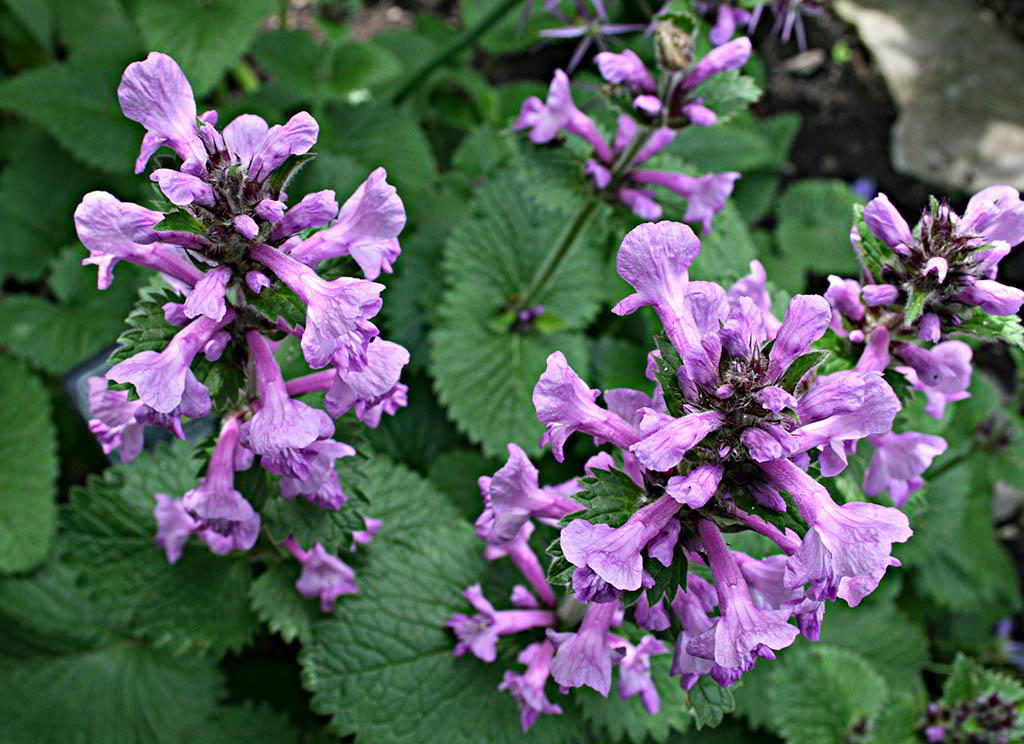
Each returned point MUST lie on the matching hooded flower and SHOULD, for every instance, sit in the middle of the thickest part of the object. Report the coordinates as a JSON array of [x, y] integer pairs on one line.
[[175, 525], [384, 363], [337, 312], [479, 634], [545, 120], [112, 420], [528, 687], [366, 229], [207, 298], [585, 657], [323, 575], [635, 671], [898, 462], [322, 485], [518, 549]]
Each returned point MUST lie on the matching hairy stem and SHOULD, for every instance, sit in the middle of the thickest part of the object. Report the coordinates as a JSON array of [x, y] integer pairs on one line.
[[462, 41]]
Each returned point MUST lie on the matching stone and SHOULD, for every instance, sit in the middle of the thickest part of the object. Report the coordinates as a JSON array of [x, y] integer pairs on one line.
[[956, 77]]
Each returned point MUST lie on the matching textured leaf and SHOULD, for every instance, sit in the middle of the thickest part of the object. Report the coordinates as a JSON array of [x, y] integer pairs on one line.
[[36, 17], [813, 232], [199, 603], [628, 719], [819, 695], [726, 253], [709, 702], [205, 37], [39, 188], [278, 604], [456, 473], [55, 336], [729, 93], [486, 376], [78, 684], [231, 724], [1002, 328], [81, 22], [382, 666], [28, 469], [970, 680], [76, 103]]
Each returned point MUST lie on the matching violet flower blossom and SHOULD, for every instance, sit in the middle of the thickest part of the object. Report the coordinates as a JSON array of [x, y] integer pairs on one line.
[[589, 29], [528, 687], [661, 110], [234, 237]]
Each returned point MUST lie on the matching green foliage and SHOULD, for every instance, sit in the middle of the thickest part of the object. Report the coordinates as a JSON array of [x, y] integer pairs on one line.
[[205, 37], [55, 336], [200, 603], [484, 375], [709, 702], [999, 328], [456, 472], [80, 681], [75, 103], [387, 650], [276, 602], [28, 469], [609, 496], [622, 720], [821, 694], [813, 233], [727, 251], [969, 680]]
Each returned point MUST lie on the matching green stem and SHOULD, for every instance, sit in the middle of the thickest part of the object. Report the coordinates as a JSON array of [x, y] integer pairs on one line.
[[463, 40], [553, 261]]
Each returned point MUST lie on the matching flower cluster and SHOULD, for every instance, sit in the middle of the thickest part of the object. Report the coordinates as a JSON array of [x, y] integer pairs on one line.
[[990, 719], [227, 237], [657, 110], [724, 443], [918, 289], [728, 16]]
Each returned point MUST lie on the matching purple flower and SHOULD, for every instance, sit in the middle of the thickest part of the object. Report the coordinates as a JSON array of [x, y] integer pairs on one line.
[[848, 547], [898, 462], [566, 405], [585, 657], [994, 214], [281, 142], [753, 286], [625, 68], [337, 312], [282, 429], [886, 223], [726, 21], [243, 136], [528, 688], [271, 210], [156, 93], [366, 229], [246, 226], [163, 380], [651, 618], [207, 298], [654, 259], [256, 281], [315, 210], [705, 195], [183, 188], [743, 631], [667, 439], [323, 575], [844, 296], [954, 358], [695, 621], [614, 553], [479, 634], [545, 120], [845, 406], [174, 525], [991, 296], [518, 549], [225, 520], [635, 671], [384, 363], [876, 295], [807, 319], [138, 224], [321, 484], [98, 223], [728, 56], [112, 420], [512, 497], [700, 115]]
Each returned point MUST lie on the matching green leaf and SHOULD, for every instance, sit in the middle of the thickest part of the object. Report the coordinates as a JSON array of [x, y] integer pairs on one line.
[[75, 682], [205, 37], [970, 680], [821, 693], [277, 603], [956, 557], [231, 724], [38, 173], [76, 103], [34, 16], [726, 253], [709, 702], [182, 221], [1000, 327], [456, 473], [729, 93], [486, 377], [622, 719], [277, 301], [55, 336], [800, 367], [81, 22], [813, 232], [387, 649], [915, 305], [618, 364], [310, 523], [28, 469], [610, 497], [285, 172], [200, 603]]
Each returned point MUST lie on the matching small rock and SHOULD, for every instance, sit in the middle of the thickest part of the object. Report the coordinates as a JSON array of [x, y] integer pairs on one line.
[[806, 63], [956, 78]]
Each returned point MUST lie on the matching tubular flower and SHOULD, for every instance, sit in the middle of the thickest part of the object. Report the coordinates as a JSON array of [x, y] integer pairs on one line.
[[238, 252]]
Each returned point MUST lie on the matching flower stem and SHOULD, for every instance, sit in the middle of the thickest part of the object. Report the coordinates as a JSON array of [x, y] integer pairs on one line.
[[553, 261], [462, 41]]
